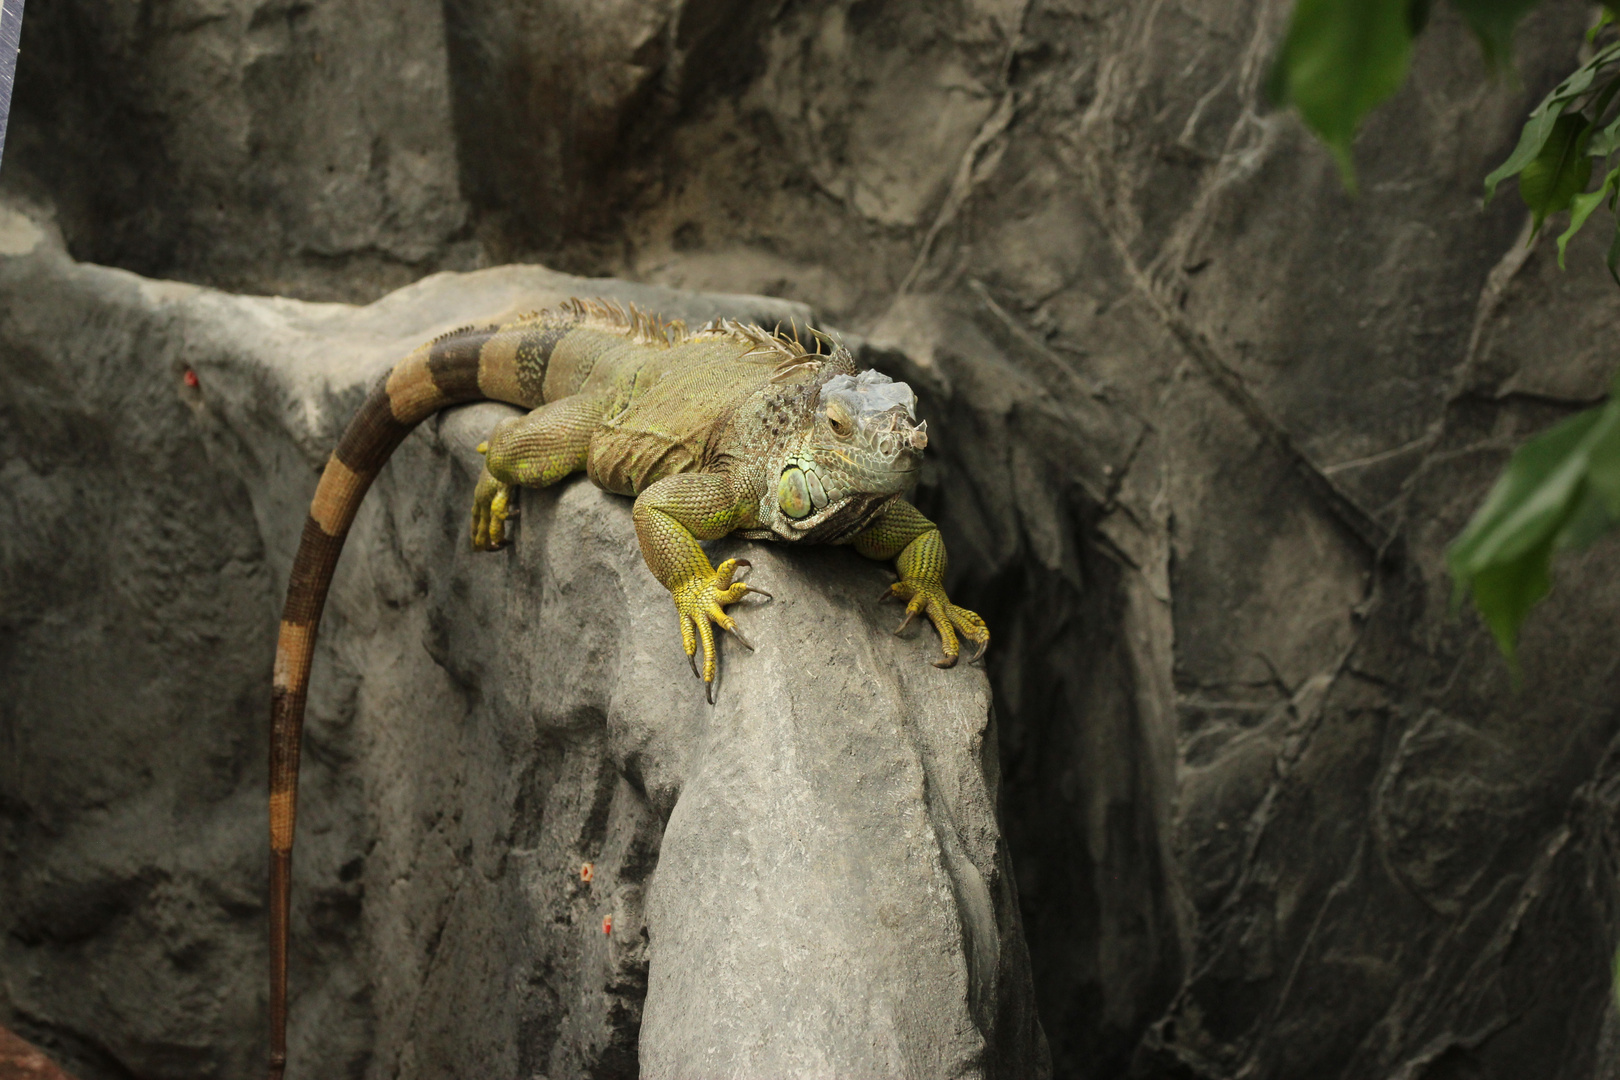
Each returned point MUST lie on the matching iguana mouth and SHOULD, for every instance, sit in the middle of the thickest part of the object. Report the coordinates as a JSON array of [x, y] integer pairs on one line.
[[834, 522], [812, 485]]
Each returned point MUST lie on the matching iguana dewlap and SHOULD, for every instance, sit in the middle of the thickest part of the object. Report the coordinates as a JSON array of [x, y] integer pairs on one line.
[[728, 429]]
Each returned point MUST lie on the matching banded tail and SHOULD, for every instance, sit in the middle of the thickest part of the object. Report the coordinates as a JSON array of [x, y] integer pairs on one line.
[[492, 362], [471, 364]]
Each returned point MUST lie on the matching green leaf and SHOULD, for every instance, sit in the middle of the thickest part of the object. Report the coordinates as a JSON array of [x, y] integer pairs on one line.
[[1339, 60], [1504, 593], [1604, 142], [1603, 460], [1555, 493], [1560, 171], [1531, 140], [1529, 499], [1605, 17], [1493, 21], [1617, 978], [1544, 117], [1581, 207], [1590, 521]]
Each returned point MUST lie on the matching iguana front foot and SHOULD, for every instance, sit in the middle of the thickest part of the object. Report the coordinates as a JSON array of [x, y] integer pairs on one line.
[[700, 602], [928, 597], [493, 507]]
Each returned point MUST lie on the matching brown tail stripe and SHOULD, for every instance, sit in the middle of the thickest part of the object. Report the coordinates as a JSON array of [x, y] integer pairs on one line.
[[453, 362], [373, 434], [311, 574], [442, 372]]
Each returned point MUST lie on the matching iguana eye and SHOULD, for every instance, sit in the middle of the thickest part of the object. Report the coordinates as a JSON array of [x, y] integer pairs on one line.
[[838, 419]]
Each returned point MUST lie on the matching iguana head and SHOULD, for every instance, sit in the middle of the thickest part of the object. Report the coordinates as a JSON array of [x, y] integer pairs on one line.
[[860, 445]]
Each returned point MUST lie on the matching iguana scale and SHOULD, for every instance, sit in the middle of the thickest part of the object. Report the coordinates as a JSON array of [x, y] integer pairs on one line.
[[727, 429]]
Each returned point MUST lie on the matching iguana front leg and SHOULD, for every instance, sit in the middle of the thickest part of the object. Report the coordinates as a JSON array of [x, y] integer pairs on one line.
[[536, 450], [671, 517], [914, 543]]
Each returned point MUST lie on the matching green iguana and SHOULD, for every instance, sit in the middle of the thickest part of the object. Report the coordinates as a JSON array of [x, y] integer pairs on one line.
[[727, 429]]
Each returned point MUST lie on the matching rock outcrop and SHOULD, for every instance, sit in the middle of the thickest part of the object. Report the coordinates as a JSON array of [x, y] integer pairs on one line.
[[806, 879]]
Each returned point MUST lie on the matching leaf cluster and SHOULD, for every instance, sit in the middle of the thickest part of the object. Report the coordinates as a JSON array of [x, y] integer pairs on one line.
[[1560, 490], [1341, 58], [1570, 129]]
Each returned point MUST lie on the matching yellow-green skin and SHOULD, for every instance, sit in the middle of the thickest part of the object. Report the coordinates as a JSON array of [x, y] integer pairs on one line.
[[701, 431]]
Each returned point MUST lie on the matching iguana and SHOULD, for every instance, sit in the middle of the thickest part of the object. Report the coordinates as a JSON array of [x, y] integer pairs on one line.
[[726, 429]]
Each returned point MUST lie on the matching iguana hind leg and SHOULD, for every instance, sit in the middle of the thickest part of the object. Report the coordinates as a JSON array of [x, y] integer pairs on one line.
[[536, 450], [914, 543], [671, 517]]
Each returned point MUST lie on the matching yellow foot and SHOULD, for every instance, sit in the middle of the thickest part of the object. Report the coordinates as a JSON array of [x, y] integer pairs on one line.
[[701, 602], [493, 507], [929, 597]]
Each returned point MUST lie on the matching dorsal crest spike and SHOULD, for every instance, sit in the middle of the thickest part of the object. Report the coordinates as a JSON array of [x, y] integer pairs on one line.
[[825, 343], [448, 334], [794, 349], [639, 326]]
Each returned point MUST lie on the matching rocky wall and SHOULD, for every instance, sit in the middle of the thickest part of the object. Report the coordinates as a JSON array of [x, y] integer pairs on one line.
[[1204, 424]]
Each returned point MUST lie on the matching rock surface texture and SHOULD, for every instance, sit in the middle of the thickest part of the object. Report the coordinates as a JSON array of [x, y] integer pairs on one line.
[[1201, 426], [829, 896]]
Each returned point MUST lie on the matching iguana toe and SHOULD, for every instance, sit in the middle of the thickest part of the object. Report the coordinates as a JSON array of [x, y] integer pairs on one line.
[[928, 598], [700, 602], [492, 508]]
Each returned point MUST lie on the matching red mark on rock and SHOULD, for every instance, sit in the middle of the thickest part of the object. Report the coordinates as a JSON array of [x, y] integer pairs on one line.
[[607, 924], [191, 378], [586, 871]]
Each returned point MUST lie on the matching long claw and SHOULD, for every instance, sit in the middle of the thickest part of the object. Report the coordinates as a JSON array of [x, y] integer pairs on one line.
[[887, 594], [953, 623], [700, 603], [761, 592]]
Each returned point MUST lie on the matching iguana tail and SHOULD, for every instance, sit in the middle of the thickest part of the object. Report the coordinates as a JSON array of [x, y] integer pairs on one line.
[[471, 364], [492, 362]]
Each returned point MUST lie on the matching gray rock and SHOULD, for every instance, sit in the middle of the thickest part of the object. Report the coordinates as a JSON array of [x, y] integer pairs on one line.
[[264, 145], [805, 880]]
